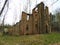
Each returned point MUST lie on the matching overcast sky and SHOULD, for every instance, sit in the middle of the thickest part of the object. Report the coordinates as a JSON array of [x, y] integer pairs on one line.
[[16, 7]]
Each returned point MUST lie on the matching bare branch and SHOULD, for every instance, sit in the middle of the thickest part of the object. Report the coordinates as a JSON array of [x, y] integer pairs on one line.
[[3, 7]]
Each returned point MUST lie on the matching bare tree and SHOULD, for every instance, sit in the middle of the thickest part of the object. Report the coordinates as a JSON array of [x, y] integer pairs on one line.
[[6, 3], [54, 2], [3, 7]]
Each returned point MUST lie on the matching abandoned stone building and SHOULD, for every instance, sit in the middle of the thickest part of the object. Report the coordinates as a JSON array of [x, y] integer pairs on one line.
[[38, 22]]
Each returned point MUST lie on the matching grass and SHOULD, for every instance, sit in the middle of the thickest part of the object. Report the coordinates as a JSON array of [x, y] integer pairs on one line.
[[38, 39]]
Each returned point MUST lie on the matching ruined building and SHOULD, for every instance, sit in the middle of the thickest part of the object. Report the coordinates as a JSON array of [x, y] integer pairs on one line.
[[37, 22]]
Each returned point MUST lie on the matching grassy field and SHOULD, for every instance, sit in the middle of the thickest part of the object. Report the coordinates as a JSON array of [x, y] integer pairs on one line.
[[38, 39]]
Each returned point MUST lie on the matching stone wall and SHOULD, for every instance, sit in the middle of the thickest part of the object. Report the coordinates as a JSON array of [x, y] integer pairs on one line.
[[35, 21], [39, 22], [48, 27]]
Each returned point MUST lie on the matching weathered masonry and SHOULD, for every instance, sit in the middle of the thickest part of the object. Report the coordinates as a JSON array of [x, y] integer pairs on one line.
[[35, 23]]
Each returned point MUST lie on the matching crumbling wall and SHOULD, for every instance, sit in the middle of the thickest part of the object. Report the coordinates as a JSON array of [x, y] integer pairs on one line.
[[48, 28], [30, 25], [41, 17], [23, 22], [35, 21], [39, 22]]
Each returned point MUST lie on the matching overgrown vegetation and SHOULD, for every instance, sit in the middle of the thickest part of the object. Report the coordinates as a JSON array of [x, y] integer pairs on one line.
[[38, 39]]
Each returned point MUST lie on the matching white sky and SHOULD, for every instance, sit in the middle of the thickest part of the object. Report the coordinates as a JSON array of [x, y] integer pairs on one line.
[[16, 7]]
